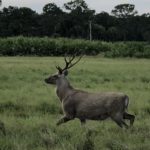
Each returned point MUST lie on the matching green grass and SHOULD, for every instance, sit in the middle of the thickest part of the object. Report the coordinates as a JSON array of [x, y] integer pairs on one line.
[[30, 109]]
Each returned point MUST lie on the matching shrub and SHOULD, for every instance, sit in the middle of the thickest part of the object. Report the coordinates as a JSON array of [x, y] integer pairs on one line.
[[26, 46]]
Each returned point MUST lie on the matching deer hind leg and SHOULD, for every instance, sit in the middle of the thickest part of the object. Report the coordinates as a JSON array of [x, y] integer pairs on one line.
[[126, 126], [64, 119], [118, 119], [129, 117], [119, 123]]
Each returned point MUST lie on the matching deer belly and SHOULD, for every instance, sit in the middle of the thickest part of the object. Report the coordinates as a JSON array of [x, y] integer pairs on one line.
[[91, 114]]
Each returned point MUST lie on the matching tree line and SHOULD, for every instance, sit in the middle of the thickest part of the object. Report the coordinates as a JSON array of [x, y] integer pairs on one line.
[[74, 21]]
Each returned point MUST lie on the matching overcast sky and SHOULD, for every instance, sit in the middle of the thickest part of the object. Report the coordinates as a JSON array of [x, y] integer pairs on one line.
[[142, 6]]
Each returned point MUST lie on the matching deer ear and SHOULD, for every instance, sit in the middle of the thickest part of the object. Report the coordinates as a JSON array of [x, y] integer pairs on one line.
[[65, 72]]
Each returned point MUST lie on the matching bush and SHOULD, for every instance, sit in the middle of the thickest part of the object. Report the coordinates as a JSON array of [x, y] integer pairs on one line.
[[24, 46], [129, 49]]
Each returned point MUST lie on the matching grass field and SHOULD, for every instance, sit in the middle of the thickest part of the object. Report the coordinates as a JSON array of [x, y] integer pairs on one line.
[[30, 109]]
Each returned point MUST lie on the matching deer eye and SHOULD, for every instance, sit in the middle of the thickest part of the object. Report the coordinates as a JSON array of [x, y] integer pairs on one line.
[[55, 77]]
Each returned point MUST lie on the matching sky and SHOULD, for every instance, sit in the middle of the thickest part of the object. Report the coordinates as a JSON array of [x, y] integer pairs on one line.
[[142, 6]]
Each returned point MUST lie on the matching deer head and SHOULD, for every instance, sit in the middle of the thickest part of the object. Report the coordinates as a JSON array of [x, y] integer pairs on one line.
[[62, 72]]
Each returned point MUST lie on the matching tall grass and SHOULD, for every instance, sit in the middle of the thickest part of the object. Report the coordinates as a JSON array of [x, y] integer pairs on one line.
[[30, 109]]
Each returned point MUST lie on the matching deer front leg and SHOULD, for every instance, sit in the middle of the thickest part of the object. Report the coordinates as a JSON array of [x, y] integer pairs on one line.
[[64, 119]]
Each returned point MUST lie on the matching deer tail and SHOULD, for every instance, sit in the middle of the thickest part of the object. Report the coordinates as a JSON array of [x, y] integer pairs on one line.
[[126, 101]]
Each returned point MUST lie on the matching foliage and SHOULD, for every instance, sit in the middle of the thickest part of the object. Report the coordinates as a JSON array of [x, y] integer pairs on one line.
[[76, 4], [24, 46], [129, 49], [124, 10], [73, 22], [49, 47], [29, 108], [52, 9]]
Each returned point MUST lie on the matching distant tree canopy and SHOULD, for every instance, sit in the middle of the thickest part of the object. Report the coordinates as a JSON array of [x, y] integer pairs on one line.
[[52, 9], [124, 11], [123, 24], [76, 4]]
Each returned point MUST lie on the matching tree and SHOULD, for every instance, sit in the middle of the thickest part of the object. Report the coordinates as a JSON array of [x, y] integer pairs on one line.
[[0, 2], [145, 15], [52, 9], [17, 21], [79, 8], [50, 19], [146, 35], [79, 17], [98, 32], [112, 34], [124, 24], [124, 10], [104, 19], [76, 4]]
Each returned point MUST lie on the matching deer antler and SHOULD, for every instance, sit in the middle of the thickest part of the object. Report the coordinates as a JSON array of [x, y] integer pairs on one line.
[[69, 63], [59, 69]]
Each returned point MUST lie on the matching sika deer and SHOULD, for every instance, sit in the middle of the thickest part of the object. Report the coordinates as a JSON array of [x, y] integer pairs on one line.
[[84, 105]]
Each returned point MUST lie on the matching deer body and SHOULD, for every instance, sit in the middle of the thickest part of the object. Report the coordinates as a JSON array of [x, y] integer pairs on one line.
[[94, 106]]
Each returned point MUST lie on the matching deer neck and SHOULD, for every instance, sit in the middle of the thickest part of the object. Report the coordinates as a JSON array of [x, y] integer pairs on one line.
[[63, 88]]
